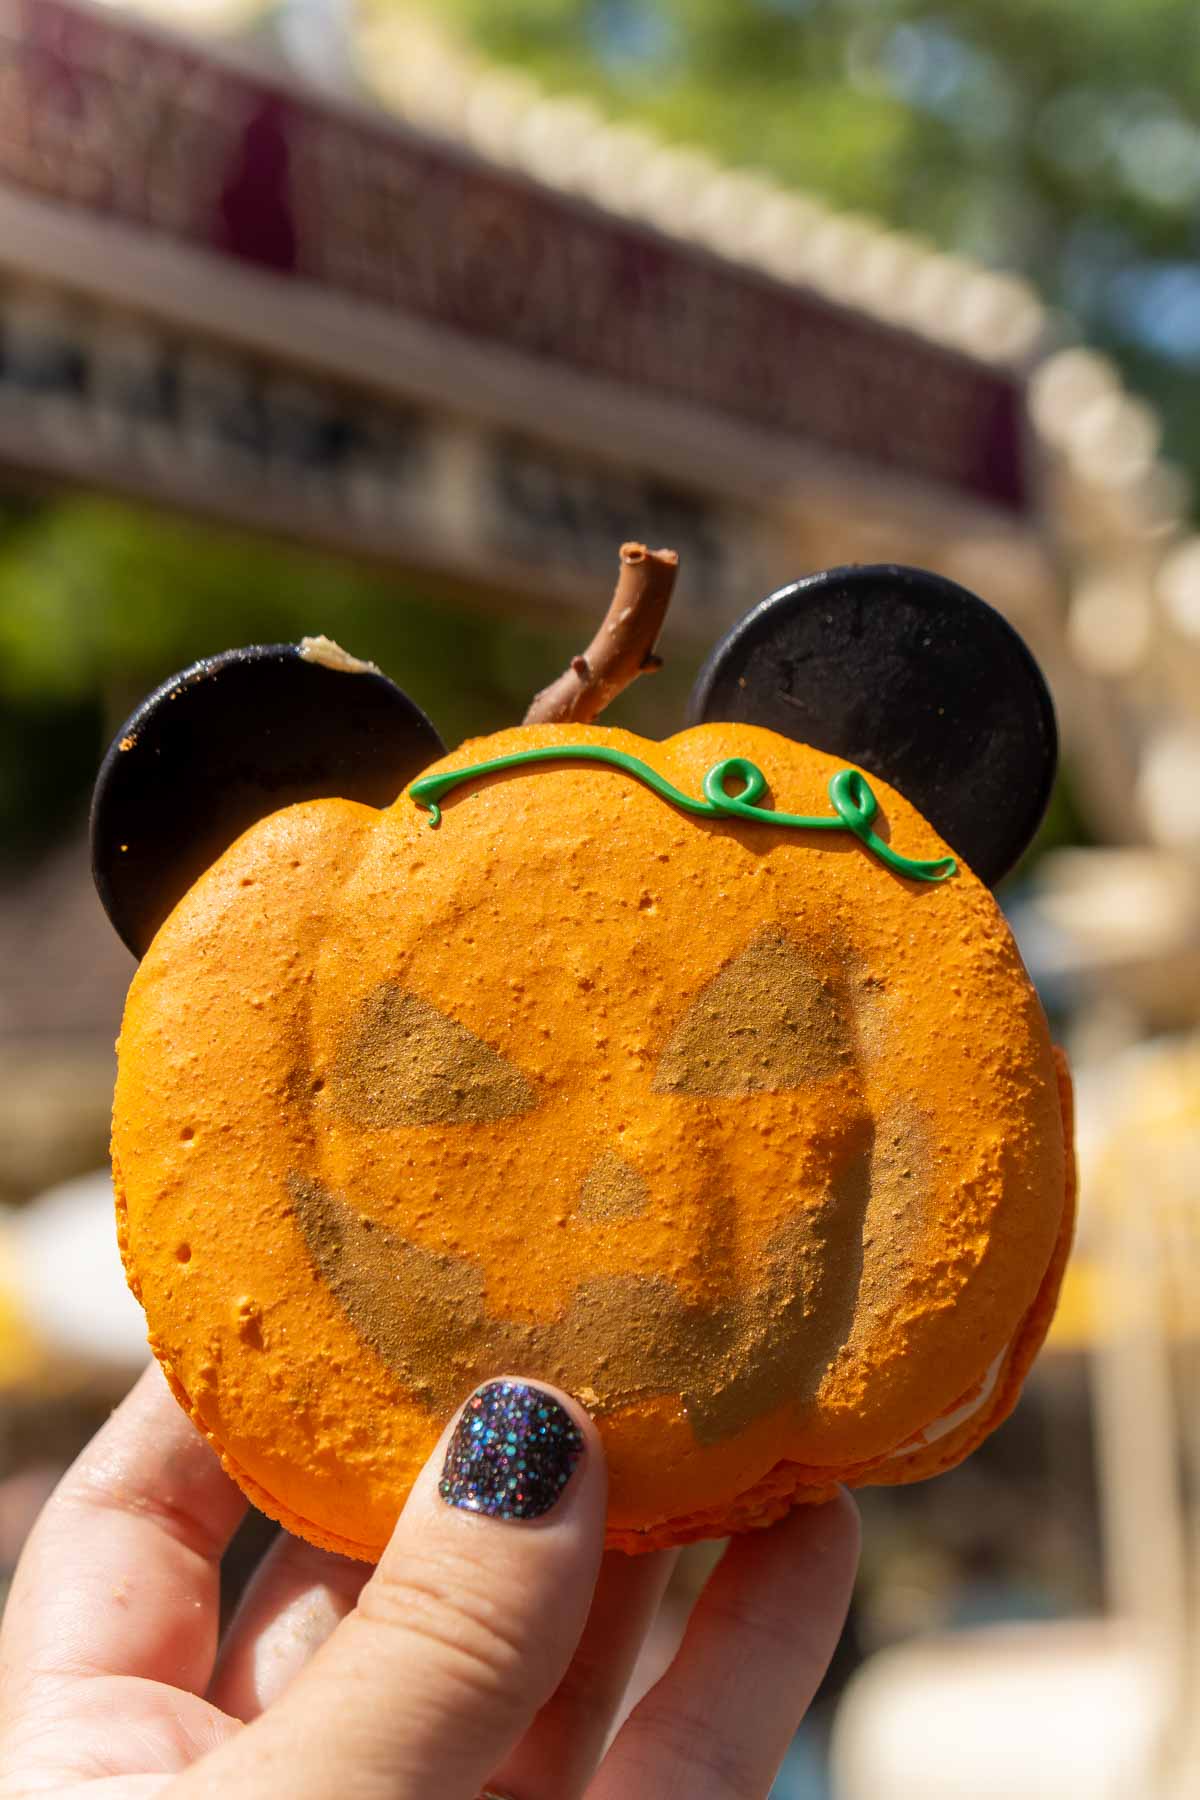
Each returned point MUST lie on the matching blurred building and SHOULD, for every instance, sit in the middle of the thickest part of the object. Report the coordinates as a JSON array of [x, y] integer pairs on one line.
[[340, 281], [483, 342], [405, 307], [486, 340]]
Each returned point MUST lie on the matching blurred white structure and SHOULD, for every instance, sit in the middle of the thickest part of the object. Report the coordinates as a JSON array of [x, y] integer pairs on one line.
[[1103, 1709], [68, 1313], [1048, 1712]]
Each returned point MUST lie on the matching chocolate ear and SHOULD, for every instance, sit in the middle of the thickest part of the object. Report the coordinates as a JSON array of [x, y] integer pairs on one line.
[[231, 739], [914, 679]]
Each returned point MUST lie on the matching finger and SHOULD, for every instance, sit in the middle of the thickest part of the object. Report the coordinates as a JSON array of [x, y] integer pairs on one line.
[[296, 1599], [718, 1724], [463, 1632], [558, 1755], [120, 1574]]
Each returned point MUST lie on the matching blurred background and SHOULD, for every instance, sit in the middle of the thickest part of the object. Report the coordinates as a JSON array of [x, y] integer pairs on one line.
[[390, 322]]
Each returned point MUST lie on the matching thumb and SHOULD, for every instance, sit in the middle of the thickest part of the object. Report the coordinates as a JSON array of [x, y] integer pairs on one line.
[[463, 1632]]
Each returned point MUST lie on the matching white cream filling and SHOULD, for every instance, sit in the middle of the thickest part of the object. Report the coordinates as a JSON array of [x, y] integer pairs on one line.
[[951, 1421], [323, 650]]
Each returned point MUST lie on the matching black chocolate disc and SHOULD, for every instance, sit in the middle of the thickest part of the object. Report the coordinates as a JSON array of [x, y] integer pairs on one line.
[[914, 679], [218, 747]]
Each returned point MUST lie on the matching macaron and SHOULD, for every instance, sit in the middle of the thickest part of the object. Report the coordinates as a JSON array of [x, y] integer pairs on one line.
[[701, 1078]]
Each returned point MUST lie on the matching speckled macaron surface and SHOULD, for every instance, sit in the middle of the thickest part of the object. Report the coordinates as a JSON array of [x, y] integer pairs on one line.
[[747, 1140]]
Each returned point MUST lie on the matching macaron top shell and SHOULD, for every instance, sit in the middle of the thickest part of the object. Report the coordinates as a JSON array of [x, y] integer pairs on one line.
[[749, 1141]]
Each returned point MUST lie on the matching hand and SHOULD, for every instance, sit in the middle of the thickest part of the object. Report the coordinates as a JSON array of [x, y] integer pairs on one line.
[[482, 1654]]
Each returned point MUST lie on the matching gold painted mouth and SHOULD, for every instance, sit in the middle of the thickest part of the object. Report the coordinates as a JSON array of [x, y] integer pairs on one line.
[[624, 1337]]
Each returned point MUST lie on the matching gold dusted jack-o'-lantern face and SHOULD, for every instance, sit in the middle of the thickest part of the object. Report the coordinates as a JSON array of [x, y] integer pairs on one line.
[[698, 1077], [747, 1132], [765, 1024]]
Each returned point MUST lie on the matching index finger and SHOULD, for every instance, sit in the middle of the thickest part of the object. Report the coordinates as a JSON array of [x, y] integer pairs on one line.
[[121, 1573]]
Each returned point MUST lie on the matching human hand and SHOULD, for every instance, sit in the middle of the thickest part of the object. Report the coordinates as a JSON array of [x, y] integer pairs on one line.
[[481, 1655]]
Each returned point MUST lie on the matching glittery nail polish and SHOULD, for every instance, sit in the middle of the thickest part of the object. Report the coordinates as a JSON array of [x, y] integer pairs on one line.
[[513, 1452]]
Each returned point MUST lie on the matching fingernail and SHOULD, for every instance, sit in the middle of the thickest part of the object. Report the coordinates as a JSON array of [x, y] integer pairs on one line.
[[513, 1452]]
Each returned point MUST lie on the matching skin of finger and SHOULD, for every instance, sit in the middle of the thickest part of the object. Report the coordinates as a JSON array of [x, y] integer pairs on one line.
[[558, 1755], [120, 1574], [458, 1640], [115, 1787], [297, 1598], [105, 1727], [718, 1724]]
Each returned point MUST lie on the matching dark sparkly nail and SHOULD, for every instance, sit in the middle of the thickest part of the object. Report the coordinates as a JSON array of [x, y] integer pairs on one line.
[[513, 1452]]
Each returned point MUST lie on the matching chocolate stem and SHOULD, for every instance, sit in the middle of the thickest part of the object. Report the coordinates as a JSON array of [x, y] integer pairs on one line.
[[621, 650]]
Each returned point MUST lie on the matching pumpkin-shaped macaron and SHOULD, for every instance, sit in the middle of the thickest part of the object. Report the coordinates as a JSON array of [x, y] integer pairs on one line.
[[672, 1073]]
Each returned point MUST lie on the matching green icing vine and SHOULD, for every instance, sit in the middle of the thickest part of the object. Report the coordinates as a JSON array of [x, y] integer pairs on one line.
[[855, 805]]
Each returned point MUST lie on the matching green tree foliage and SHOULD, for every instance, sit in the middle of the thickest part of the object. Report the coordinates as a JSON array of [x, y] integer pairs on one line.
[[1056, 137], [100, 602]]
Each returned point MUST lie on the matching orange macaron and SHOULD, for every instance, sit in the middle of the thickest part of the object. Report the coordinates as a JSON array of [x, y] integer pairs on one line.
[[747, 1135]]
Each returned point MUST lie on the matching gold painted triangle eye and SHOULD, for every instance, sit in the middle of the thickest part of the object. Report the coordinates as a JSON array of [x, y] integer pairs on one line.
[[401, 1061], [766, 1023]]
